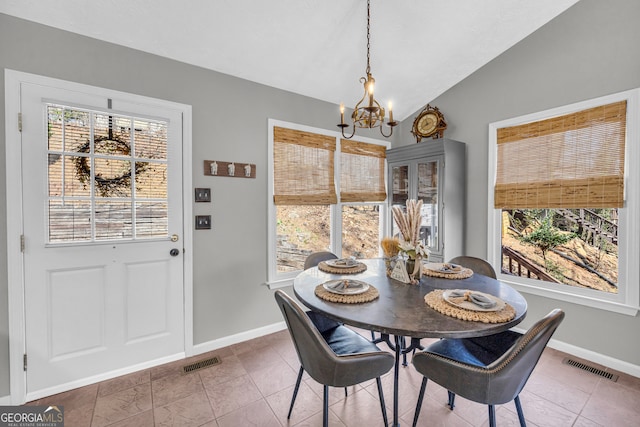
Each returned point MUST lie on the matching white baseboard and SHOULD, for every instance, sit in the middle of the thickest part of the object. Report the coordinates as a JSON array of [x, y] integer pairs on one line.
[[601, 359], [238, 338], [101, 377], [592, 356], [5, 400]]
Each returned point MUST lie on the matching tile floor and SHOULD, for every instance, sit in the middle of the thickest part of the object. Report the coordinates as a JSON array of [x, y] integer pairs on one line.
[[253, 386]]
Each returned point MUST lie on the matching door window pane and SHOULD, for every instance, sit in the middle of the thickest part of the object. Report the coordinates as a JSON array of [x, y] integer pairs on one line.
[[69, 221], [113, 220], [151, 219], [112, 178], [151, 180], [149, 139]]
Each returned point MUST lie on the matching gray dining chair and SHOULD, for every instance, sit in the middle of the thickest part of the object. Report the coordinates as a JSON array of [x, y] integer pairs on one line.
[[332, 354], [317, 257], [492, 370], [478, 265]]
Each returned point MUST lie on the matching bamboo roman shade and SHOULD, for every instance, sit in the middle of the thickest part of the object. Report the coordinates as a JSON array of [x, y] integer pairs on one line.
[[362, 171], [570, 161], [303, 168]]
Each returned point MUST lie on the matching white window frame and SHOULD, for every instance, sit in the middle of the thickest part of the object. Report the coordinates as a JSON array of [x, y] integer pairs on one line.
[[275, 279], [626, 301]]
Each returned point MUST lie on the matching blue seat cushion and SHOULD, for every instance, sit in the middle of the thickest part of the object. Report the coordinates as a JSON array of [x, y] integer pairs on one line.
[[341, 339], [321, 322], [481, 351]]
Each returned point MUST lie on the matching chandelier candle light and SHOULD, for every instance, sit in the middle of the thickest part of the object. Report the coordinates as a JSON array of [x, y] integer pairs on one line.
[[410, 244], [367, 113]]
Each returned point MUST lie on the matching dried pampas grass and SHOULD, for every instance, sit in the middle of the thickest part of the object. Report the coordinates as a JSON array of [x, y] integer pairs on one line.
[[409, 223]]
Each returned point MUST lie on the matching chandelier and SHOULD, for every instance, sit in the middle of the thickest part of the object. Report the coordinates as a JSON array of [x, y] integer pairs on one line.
[[367, 113]]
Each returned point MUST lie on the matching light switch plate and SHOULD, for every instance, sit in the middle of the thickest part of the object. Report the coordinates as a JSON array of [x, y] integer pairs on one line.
[[203, 194], [203, 222]]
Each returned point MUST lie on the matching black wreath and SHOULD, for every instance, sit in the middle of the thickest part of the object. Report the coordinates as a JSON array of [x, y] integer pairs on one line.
[[106, 187]]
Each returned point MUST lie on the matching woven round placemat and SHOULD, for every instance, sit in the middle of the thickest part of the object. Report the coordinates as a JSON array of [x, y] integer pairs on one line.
[[358, 268], [370, 294], [435, 300], [464, 273]]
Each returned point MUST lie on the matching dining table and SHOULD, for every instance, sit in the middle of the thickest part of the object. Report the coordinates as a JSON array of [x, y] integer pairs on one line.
[[399, 311]]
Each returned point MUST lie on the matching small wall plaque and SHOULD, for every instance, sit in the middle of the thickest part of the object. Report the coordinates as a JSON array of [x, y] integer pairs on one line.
[[231, 169]]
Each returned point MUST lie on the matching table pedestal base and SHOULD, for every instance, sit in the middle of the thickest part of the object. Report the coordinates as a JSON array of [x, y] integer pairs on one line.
[[399, 346]]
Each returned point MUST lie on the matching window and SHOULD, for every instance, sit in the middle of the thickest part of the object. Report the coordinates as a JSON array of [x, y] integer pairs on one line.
[[326, 194], [564, 202], [107, 176]]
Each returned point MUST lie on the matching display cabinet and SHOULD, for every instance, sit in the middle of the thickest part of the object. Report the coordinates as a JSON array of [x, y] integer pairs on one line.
[[432, 171]]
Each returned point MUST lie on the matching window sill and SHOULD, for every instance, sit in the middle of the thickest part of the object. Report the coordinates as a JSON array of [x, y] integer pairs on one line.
[[277, 284], [574, 298]]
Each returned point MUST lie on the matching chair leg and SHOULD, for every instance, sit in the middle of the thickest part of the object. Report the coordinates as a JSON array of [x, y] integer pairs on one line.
[[325, 409], [382, 405], [452, 398], [419, 404], [345, 392], [523, 423], [295, 391], [492, 416]]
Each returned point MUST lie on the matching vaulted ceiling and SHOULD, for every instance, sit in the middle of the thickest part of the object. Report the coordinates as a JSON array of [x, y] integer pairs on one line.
[[317, 48]]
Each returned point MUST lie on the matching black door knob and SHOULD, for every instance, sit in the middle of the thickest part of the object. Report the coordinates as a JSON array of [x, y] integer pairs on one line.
[[174, 252]]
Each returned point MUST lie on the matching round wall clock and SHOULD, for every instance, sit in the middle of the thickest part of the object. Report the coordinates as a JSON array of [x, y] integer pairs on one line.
[[429, 123]]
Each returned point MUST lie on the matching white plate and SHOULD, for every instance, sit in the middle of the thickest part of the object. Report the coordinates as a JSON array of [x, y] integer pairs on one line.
[[446, 268], [341, 263], [468, 305], [354, 287]]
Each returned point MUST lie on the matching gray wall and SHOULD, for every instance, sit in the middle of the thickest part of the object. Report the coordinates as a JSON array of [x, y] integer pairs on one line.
[[589, 51], [229, 124]]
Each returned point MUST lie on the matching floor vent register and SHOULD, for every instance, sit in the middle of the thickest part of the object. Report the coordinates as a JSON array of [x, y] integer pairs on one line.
[[592, 369], [201, 364]]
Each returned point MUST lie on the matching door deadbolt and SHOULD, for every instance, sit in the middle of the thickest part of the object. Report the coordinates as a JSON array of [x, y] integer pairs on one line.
[[174, 237], [174, 252]]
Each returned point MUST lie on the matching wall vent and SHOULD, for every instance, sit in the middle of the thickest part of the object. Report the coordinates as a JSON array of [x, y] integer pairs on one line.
[[592, 369], [201, 364]]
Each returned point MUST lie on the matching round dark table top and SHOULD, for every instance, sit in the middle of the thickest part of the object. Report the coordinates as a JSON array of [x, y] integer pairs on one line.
[[401, 310]]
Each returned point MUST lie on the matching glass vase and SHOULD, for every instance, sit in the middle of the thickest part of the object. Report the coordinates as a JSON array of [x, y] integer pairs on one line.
[[414, 268]]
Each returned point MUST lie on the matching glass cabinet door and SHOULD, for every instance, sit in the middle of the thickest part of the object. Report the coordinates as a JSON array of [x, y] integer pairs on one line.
[[399, 191], [400, 185], [428, 193]]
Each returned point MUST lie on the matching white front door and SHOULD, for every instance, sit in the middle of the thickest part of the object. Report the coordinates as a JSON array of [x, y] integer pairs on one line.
[[103, 227]]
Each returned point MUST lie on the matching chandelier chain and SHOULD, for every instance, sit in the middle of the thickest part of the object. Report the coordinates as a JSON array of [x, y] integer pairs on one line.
[[368, 36], [368, 113]]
